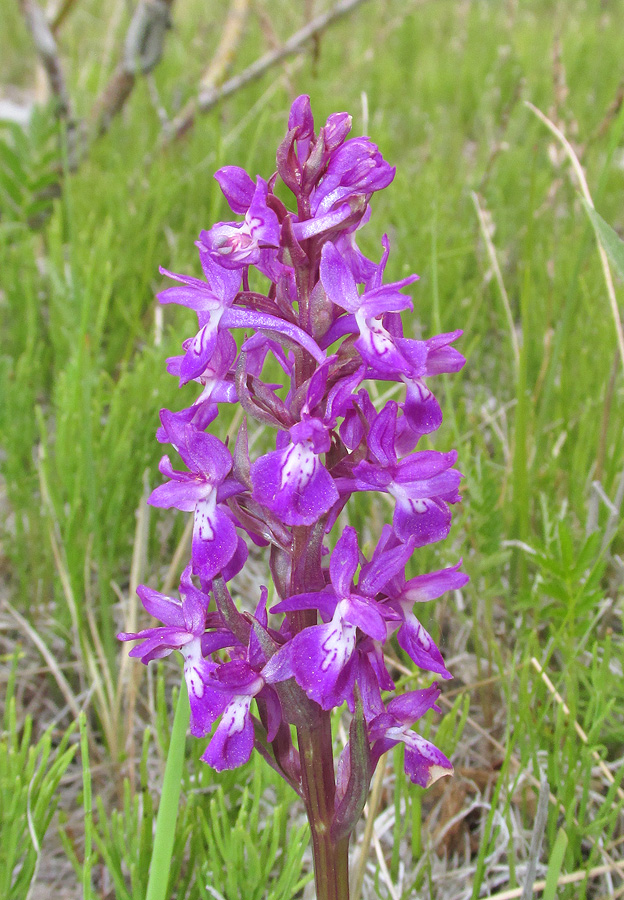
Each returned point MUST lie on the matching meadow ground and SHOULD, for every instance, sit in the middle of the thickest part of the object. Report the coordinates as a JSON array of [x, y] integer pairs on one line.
[[486, 209]]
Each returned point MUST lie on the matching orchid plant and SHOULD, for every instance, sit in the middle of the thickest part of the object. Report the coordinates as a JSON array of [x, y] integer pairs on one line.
[[319, 310]]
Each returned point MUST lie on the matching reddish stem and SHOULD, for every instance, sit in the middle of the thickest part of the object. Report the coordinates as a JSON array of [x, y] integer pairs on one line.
[[331, 860]]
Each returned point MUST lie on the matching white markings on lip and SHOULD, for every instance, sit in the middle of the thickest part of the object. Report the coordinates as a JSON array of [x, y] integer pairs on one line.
[[299, 465], [339, 643], [204, 510], [192, 655]]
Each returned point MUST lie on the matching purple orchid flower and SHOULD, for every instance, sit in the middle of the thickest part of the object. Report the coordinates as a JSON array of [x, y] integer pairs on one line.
[[321, 657], [292, 482], [423, 484], [202, 490], [237, 244], [424, 763], [320, 323], [185, 624], [232, 687]]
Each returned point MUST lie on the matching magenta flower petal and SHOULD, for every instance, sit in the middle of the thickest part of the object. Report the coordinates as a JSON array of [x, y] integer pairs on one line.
[[238, 188], [425, 521], [214, 540], [294, 484], [318, 657], [420, 646], [233, 740], [344, 562], [167, 609], [183, 495]]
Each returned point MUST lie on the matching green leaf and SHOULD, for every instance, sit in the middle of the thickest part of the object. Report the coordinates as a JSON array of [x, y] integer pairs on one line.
[[554, 865], [612, 244]]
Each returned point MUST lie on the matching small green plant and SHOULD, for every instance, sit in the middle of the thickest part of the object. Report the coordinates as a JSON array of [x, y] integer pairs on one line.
[[30, 774]]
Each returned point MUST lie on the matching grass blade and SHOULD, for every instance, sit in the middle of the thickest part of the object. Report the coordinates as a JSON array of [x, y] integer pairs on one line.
[[168, 808]]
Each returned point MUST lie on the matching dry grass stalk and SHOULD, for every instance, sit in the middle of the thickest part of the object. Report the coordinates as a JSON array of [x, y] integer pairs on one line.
[[580, 175], [499, 280], [564, 706], [219, 66], [207, 100], [42, 647], [370, 812], [568, 878]]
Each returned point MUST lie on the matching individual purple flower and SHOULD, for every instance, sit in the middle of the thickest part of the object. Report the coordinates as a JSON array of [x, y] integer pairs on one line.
[[231, 688], [292, 481], [202, 490], [424, 763], [185, 623], [423, 484], [355, 171], [412, 636], [321, 657], [237, 244]]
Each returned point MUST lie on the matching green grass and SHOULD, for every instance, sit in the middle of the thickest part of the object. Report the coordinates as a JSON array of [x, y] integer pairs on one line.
[[82, 379]]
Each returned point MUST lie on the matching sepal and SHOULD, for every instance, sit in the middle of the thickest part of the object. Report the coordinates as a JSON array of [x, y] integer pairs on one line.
[[354, 777], [231, 616]]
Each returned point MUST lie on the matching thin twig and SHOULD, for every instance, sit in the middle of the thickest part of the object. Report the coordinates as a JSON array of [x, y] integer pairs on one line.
[[541, 818], [580, 174], [47, 51], [219, 66], [564, 706], [295, 43], [568, 878], [143, 49], [499, 280], [59, 15], [370, 812]]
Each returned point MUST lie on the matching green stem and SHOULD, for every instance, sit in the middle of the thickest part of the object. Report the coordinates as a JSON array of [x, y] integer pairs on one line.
[[160, 863], [331, 860]]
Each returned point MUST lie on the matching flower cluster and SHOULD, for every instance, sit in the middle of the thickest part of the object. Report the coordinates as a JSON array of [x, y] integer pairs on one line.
[[304, 302]]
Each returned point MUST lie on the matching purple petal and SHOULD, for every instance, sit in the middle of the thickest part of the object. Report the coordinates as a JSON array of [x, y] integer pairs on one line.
[[238, 188], [206, 454], [422, 410], [382, 434], [426, 521], [319, 655], [325, 601], [433, 584], [183, 495], [424, 763], [232, 742], [214, 540], [420, 646], [365, 615], [167, 609], [198, 353], [245, 318], [344, 562], [411, 706], [382, 568], [294, 484], [338, 280]]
